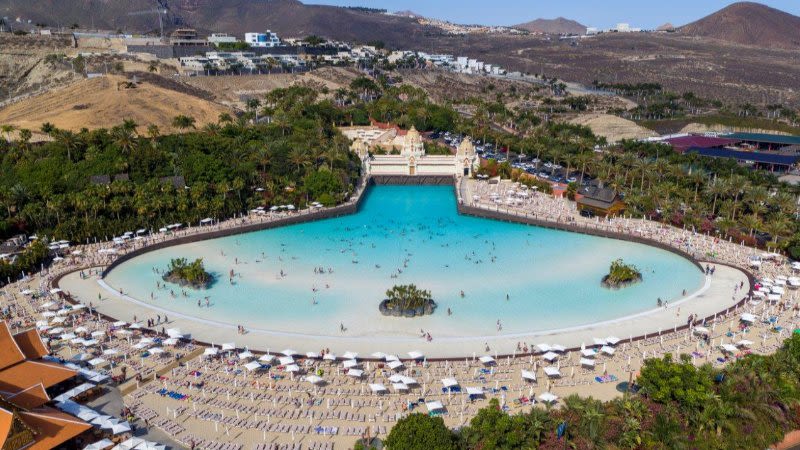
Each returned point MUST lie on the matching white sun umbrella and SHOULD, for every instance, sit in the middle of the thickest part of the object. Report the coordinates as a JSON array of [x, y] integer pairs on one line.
[[292, 368], [728, 348], [97, 362], [56, 330], [587, 362], [119, 428], [147, 445], [48, 314], [744, 343], [558, 348], [474, 390], [58, 320], [46, 305], [552, 371], [289, 352], [528, 375], [394, 365], [99, 445], [543, 347], [355, 373], [598, 341], [378, 355], [228, 346], [134, 326], [350, 355], [701, 330], [547, 397], [266, 357], [396, 378], [26, 292], [486, 359], [90, 342], [329, 357], [174, 333], [607, 350], [312, 355], [97, 334], [773, 297], [415, 355], [285, 360], [314, 379], [747, 317], [435, 405], [170, 341], [252, 365], [87, 414], [146, 340], [67, 336], [377, 387], [449, 382], [400, 387], [83, 329], [141, 346], [246, 354], [110, 351], [778, 290], [156, 350], [119, 323], [390, 358], [211, 351], [588, 352], [550, 356], [349, 363], [612, 340]]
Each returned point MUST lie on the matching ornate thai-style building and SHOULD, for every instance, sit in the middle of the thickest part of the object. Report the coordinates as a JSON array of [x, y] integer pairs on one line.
[[412, 159]]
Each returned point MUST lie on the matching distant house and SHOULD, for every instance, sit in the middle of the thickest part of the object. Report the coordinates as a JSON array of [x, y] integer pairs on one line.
[[178, 181], [121, 177], [601, 201], [100, 179]]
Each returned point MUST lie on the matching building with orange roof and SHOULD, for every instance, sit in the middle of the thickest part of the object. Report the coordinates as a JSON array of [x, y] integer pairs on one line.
[[25, 419]]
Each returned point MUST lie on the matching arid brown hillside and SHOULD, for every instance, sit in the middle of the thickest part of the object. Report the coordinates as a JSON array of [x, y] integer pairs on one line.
[[286, 17], [749, 24], [553, 26]]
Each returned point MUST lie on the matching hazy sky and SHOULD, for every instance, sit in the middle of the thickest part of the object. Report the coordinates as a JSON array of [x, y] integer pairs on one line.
[[596, 13]]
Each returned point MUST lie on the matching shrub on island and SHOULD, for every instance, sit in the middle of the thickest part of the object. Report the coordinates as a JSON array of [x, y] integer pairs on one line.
[[407, 301], [621, 275], [192, 274]]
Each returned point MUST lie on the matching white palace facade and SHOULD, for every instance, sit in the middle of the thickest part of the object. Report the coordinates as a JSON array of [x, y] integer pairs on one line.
[[412, 159]]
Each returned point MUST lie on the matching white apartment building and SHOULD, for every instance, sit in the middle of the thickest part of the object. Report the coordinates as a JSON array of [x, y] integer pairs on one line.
[[268, 39]]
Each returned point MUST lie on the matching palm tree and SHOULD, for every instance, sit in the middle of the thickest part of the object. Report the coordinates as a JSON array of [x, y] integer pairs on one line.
[[716, 189], [7, 130], [778, 227], [183, 122], [298, 158], [750, 222]]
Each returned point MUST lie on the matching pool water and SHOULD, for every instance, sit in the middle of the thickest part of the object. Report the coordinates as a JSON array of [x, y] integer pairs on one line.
[[313, 278]]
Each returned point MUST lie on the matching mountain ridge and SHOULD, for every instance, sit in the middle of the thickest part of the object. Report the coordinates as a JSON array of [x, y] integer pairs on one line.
[[559, 25], [748, 23]]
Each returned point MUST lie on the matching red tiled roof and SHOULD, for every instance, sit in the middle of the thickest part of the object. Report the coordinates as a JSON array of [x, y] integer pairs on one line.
[[26, 373], [683, 143], [10, 352], [53, 427], [31, 344], [32, 397], [6, 420]]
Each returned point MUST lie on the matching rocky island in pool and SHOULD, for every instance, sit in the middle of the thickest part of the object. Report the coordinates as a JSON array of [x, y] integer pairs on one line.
[[407, 301], [621, 275], [184, 273]]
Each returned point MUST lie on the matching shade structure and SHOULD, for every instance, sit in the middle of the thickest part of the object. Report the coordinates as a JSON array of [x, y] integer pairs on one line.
[[415, 355], [156, 350], [355, 373], [350, 355], [350, 363], [267, 358], [119, 428], [329, 357], [552, 372], [285, 360], [548, 397], [174, 333], [747, 317], [543, 347], [377, 387], [394, 365], [607, 350], [228, 346], [378, 355], [247, 354], [588, 352], [744, 343], [99, 445], [289, 352], [390, 358], [449, 382], [612, 340], [314, 379], [474, 390], [400, 387], [211, 351], [292, 368], [587, 362], [312, 355], [486, 359], [252, 365], [97, 362], [701, 330], [550, 356], [528, 375], [558, 348], [434, 406], [170, 341], [728, 348]]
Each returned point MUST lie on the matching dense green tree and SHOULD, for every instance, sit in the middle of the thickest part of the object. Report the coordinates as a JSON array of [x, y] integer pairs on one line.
[[420, 432]]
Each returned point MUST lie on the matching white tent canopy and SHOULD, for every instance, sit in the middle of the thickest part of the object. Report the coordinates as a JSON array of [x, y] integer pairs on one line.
[[528, 375], [449, 382]]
